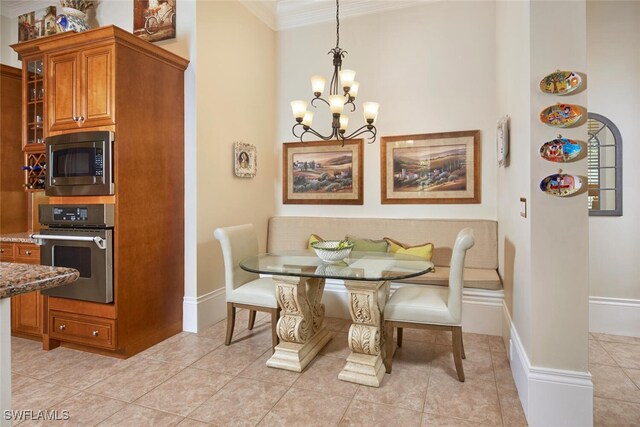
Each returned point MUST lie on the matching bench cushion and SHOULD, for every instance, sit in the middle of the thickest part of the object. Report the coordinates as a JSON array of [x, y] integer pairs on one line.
[[482, 278]]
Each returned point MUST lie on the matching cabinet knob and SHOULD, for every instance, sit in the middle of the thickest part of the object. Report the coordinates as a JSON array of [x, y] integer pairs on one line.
[[94, 333], [63, 327], [1, 251], [27, 252]]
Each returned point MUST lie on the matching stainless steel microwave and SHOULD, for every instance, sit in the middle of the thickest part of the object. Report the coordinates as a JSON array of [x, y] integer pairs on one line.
[[80, 164]]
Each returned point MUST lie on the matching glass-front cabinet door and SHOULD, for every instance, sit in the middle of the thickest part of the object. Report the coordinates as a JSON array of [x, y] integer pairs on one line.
[[34, 120]]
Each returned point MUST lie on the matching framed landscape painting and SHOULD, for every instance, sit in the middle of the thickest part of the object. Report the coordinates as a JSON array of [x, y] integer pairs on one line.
[[431, 168], [322, 173]]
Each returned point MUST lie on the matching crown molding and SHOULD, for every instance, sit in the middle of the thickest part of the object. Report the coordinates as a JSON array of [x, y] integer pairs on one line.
[[265, 10]]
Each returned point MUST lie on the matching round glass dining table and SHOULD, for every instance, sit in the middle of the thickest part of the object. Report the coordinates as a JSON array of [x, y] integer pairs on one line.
[[299, 278]]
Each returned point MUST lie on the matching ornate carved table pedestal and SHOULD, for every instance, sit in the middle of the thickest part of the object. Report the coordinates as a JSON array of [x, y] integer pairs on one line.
[[300, 278]]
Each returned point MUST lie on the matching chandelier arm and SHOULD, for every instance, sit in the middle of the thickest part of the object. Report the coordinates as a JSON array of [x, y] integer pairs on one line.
[[321, 99], [293, 130], [353, 106], [362, 130], [312, 131]]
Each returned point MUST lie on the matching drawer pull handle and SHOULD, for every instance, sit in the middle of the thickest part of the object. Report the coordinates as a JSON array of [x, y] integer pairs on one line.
[[1, 251], [94, 333], [63, 327], [27, 252]]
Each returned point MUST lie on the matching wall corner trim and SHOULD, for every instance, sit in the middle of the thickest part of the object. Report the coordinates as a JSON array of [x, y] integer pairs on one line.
[[550, 396], [200, 312]]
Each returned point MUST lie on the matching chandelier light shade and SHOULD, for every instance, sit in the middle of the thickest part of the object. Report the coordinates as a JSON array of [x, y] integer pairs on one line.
[[343, 90]]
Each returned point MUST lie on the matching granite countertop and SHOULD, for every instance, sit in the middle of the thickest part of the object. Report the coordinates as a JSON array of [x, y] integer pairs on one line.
[[16, 238], [16, 278]]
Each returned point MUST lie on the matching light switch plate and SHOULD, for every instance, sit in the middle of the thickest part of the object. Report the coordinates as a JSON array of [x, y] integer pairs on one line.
[[523, 207]]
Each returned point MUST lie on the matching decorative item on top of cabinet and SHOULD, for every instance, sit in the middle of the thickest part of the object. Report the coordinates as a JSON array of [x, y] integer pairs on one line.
[[74, 14], [154, 21]]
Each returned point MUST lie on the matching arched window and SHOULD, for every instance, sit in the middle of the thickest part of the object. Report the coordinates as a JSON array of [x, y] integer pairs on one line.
[[604, 167]]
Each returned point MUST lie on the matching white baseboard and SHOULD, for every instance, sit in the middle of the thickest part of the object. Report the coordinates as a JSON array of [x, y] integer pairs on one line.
[[481, 309], [550, 397], [616, 316], [203, 311]]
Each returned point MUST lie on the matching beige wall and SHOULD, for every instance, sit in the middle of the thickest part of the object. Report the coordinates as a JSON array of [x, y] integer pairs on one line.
[[613, 40], [236, 94], [514, 98], [431, 67]]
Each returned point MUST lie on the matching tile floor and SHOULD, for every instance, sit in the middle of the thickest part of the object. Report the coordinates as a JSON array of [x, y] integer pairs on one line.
[[194, 379]]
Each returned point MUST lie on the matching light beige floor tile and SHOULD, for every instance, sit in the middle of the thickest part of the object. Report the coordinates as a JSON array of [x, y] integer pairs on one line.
[[477, 341], [242, 401], [403, 388], [322, 375], [188, 422], [337, 347], [422, 335], [368, 414], [477, 365], [259, 370], [218, 330], [163, 344], [615, 413], [502, 371], [416, 355], [39, 396], [511, 409], [473, 400], [40, 364], [87, 371], [137, 416], [19, 381], [434, 420], [84, 409], [300, 407], [259, 336], [616, 338], [612, 383], [634, 374], [597, 354], [345, 328], [625, 355], [230, 359], [184, 392], [186, 350], [135, 380], [23, 344], [496, 344], [335, 324]]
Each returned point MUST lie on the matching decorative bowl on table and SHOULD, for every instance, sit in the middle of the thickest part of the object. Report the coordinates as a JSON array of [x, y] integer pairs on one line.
[[332, 251]]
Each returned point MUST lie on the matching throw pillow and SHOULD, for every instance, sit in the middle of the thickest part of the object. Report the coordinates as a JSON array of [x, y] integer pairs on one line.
[[312, 239], [368, 245], [424, 250]]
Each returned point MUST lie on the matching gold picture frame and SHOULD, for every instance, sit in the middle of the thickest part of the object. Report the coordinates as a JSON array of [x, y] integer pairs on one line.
[[435, 168], [323, 173]]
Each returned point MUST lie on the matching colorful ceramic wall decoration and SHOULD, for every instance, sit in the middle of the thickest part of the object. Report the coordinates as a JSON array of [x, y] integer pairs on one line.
[[561, 115], [561, 184], [560, 82], [560, 150]]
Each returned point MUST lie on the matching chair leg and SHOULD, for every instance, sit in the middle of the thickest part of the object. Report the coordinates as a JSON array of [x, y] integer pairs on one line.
[[231, 320], [464, 356], [399, 337], [456, 337], [275, 314], [388, 356], [252, 319]]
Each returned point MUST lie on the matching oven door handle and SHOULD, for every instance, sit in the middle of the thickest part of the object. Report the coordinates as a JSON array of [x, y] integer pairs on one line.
[[99, 241]]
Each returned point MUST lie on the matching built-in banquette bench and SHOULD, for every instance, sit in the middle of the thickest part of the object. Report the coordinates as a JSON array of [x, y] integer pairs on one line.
[[483, 293]]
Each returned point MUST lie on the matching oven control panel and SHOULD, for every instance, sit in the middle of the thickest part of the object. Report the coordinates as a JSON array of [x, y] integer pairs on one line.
[[97, 216]]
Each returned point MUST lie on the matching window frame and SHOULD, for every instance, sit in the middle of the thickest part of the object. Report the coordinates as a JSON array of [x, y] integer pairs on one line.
[[618, 175]]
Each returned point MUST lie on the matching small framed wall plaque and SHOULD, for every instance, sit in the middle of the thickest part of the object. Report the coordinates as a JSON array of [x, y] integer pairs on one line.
[[245, 160]]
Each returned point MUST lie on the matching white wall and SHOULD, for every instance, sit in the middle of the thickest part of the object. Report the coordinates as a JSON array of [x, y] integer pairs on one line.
[[431, 67], [8, 35], [613, 40]]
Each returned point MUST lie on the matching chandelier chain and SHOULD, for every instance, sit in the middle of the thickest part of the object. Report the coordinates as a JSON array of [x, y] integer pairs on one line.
[[337, 24]]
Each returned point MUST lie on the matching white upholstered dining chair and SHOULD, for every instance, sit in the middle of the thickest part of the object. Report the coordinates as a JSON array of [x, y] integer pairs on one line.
[[431, 307], [243, 288]]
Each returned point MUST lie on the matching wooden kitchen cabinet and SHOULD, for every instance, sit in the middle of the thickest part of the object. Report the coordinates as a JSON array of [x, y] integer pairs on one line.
[[80, 84], [26, 309]]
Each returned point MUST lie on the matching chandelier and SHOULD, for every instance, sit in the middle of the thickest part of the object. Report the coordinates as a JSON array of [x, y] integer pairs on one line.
[[342, 94]]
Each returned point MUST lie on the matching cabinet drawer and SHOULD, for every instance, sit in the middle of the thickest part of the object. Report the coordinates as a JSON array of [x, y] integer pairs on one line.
[[88, 330], [6, 252], [27, 253]]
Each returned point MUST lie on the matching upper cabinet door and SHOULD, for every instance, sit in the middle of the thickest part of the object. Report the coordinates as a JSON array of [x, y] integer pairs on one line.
[[82, 89], [62, 91], [97, 90]]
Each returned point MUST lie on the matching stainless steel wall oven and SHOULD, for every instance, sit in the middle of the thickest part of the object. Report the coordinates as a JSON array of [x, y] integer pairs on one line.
[[80, 237]]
